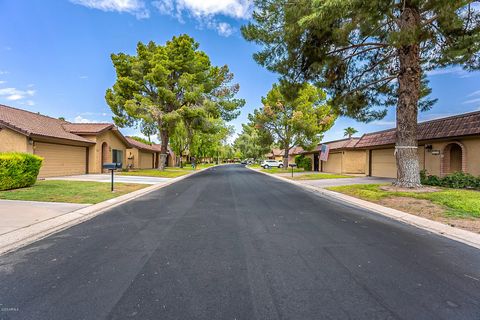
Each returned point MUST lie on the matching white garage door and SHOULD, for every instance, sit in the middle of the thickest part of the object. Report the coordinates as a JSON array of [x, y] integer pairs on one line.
[[61, 160]]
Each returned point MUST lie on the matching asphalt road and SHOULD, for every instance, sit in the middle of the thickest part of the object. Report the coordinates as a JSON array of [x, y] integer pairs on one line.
[[229, 243]]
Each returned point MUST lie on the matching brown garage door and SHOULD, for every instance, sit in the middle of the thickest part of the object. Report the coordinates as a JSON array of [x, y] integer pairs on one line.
[[146, 160], [383, 163], [333, 164], [61, 160]]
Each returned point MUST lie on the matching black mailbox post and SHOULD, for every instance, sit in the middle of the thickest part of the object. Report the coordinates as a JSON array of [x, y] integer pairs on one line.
[[292, 165], [112, 167]]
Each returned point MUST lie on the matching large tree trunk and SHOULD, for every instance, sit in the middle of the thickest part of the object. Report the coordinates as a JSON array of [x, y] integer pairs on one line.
[[164, 149], [285, 159], [408, 169]]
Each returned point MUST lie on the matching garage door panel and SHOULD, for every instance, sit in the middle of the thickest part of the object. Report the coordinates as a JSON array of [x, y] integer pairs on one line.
[[61, 160], [333, 164], [146, 160], [383, 163]]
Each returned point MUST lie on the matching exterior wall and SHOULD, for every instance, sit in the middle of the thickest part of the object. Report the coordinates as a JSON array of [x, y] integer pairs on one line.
[[471, 161], [61, 160], [13, 141], [95, 154], [354, 161], [334, 163]]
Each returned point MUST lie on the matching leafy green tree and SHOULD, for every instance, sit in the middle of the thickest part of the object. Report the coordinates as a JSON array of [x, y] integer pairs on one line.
[[148, 129], [179, 142], [370, 55], [294, 115], [162, 84], [252, 142], [349, 132], [142, 140]]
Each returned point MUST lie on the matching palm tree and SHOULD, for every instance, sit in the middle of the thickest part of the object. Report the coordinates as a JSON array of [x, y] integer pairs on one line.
[[349, 132]]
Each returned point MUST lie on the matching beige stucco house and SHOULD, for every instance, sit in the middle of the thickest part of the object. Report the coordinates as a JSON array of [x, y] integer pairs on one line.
[[141, 155], [67, 148], [445, 145], [343, 157]]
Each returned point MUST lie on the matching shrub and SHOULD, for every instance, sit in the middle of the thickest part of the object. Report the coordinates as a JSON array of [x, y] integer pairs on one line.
[[457, 180], [18, 170], [303, 162]]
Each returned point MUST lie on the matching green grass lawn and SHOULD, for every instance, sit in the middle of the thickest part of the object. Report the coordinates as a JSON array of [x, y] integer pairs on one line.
[[319, 176], [70, 191], [254, 166], [169, 172], [278, 170], [459, 203]]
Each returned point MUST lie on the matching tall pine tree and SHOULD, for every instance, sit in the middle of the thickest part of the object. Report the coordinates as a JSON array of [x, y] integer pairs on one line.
[[369, 55]]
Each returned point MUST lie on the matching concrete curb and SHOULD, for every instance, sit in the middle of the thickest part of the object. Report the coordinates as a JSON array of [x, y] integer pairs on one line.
[[460, 235], [21, 237]]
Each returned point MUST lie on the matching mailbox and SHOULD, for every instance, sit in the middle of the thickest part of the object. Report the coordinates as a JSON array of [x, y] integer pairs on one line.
[[292, 165], [112, 165]]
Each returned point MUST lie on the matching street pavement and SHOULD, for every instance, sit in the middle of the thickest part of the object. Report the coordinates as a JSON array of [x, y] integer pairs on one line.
[[231, 243]]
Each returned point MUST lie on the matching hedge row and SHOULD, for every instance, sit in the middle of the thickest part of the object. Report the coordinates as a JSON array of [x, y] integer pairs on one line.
[[457, 180], [18, 170], [303, 162]]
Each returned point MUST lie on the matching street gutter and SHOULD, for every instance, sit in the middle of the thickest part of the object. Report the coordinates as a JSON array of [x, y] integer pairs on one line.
[[21, 237], [470, 238]]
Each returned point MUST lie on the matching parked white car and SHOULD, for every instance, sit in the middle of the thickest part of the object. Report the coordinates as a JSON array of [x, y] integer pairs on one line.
[[266, 164]]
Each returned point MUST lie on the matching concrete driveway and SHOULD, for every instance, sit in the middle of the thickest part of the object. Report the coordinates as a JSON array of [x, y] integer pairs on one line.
[[325, 183], [118, 178], [16, 214]]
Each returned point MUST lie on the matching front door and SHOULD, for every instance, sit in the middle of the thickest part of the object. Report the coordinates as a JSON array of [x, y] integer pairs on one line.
[[315, 162]]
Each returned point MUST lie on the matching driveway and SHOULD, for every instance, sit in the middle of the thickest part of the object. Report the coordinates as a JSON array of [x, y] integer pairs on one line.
[[231, 243], [117, 178], [16, 214], [325, 183]]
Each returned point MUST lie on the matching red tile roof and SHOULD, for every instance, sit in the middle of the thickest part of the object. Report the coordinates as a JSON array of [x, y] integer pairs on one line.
[[348, 143], [87, 128], [142, 146], [450, 127], [34, 124]]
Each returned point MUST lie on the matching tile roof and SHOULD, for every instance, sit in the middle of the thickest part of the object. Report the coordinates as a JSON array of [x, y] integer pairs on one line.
[[455, 126], [34, 124], [295, 150], [142, 146], [86, 128], [348, 143]]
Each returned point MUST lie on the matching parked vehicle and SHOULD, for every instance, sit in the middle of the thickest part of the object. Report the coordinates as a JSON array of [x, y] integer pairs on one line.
[[267, 164]]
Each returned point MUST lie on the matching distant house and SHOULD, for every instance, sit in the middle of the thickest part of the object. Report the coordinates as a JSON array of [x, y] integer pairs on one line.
[[141, 155], [445, 145], [67, 148], [275, 154], [343, 158]]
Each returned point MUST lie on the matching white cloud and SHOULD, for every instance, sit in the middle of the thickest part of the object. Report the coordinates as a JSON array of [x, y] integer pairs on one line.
[[383, 123], [14, 94], [456, 71], [2, 81], [134, 7], [80, 119], [206, 11], [471, 101], [474, 93], [224, 29], [89, 113], [83, 77], [30, 103], [3, 72]]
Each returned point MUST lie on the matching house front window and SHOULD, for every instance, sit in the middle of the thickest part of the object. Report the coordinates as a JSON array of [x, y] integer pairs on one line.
[[117, 155]]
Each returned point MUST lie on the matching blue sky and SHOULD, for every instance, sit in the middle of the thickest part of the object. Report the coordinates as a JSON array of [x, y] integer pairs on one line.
[[55, 55]]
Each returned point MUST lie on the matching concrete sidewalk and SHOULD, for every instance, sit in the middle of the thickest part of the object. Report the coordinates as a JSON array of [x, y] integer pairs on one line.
[[15, 215], [118, 178]]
